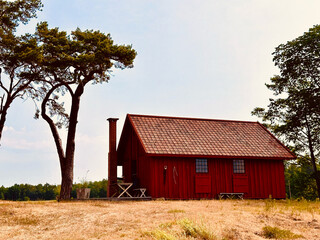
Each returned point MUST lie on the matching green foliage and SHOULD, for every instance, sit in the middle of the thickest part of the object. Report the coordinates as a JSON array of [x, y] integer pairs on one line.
[[18, 54], [19, 11], [26, 192], [299, 176], [72, 61], [98, 188], [277, 233], [2, 192], [295, 115]]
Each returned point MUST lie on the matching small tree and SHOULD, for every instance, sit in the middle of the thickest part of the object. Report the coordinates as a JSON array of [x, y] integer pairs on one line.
[[295, 114], [19, 65], [68, 64], [17, 54]]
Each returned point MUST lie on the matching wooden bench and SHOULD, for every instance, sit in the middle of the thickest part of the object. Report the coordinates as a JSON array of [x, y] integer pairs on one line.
[[230, 196], [140, 192]]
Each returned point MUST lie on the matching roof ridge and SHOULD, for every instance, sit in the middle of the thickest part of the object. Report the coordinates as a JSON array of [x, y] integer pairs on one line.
[[191, 118]]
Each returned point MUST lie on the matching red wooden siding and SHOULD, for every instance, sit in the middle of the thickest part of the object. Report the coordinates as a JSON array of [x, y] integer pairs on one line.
[[266, 178], [203, 184], [240, 183], [262, 178], [132, 158]]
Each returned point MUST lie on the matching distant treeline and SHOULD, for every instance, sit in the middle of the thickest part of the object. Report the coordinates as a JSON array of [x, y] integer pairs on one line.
[[26, 192]]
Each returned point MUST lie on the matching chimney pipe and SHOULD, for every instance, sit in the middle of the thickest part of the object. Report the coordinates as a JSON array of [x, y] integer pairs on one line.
[[112, 157]]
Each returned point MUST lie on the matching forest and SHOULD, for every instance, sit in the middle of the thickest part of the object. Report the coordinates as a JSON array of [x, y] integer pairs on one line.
[[27, 192]]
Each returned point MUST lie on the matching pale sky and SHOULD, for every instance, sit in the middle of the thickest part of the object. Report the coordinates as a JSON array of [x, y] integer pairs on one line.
[[196, 58]]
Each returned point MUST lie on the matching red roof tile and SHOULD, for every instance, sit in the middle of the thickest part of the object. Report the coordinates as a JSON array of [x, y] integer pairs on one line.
[[204, 137]]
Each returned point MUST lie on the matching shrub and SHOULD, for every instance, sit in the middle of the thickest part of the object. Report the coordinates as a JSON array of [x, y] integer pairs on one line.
[[159, 235], [277, 233], [196, 231]]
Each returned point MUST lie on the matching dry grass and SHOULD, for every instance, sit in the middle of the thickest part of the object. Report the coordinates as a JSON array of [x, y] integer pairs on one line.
[[277, 233], [212, 219]]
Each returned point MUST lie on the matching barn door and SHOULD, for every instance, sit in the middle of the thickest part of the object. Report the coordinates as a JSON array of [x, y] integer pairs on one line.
[[202, 181], [239, 177]]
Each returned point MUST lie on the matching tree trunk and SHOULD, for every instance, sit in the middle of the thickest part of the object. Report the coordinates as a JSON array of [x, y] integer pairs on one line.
[[314, 165], [67, 159], [67, 180], [2, 121], [3, 116], [67, 169], [313, 159]]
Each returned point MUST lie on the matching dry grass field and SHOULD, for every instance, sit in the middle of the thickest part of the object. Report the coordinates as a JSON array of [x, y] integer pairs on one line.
[[204, 219]]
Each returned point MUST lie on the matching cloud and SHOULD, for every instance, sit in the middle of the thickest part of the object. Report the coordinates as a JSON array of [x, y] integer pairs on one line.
[[23, 139]]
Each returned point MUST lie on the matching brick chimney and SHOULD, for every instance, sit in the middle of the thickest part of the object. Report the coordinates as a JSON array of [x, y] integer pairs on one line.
[[112, 156]]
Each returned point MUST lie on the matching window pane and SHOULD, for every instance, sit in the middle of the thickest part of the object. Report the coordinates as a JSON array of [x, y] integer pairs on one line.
[[238, 166], [201, 166]]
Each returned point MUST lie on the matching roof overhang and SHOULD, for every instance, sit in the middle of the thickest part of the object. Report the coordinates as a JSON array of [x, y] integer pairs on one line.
[[216, 157]]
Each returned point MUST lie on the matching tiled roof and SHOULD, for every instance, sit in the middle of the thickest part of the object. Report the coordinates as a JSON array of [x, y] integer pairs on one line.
[[204, 137]]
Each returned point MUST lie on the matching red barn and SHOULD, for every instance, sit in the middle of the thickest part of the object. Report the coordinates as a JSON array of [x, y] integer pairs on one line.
[[189, 158]]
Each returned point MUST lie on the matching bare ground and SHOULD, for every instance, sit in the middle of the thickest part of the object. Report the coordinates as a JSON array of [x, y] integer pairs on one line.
[[226, 219]]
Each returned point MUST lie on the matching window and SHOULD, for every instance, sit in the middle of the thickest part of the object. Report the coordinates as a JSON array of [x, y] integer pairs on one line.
[[201, 166], [238, 166]]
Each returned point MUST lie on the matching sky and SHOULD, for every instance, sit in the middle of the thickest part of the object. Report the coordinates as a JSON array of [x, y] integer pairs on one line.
[[202, 59]]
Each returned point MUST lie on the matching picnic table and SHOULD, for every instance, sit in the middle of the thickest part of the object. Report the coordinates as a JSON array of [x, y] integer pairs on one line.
[[124, 187], [140, 192], [224, 195]]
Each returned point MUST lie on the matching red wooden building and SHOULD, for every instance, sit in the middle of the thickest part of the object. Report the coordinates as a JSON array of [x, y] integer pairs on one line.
[[188, 158]]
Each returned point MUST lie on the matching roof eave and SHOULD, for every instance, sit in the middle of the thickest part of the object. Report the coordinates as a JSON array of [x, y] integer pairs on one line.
[[216, 156], [284, 146], [136, 132]]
